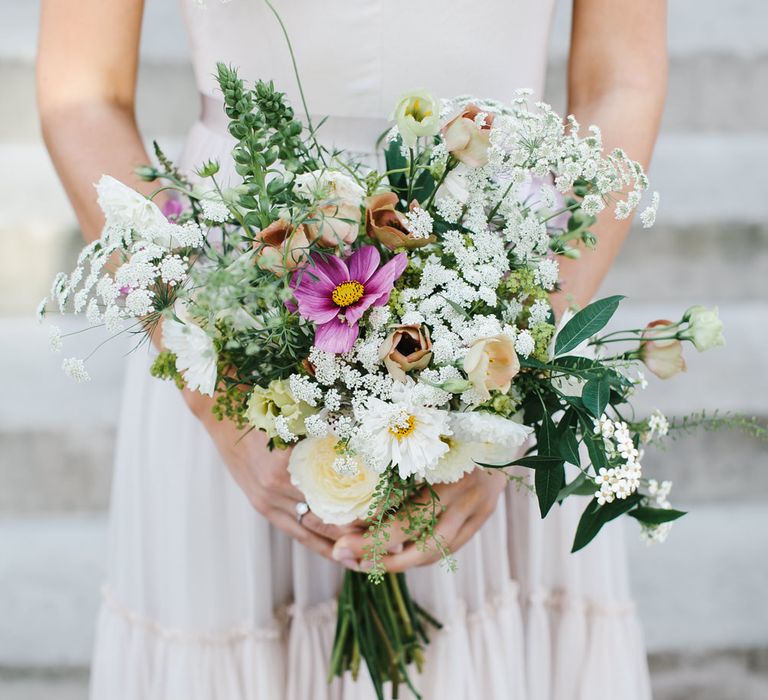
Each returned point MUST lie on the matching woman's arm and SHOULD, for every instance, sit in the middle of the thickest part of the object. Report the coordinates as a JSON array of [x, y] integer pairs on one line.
[[617, 79], [86, 81], [86, 76]]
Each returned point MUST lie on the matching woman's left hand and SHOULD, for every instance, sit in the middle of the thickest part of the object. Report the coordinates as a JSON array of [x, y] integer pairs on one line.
[[467, 505]]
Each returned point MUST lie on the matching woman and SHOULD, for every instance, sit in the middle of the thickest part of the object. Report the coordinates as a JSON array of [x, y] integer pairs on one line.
[[216, 591]]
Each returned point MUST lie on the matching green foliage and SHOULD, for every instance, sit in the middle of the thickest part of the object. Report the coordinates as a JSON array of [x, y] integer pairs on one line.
[[595, 395], [586, 323], [164, 367], [595, 516], [655, 516]]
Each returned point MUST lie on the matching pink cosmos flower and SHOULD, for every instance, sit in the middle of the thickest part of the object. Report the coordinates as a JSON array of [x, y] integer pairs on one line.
[[335, 293]]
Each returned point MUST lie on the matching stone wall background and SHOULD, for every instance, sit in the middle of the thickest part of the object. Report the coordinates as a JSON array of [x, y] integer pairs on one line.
[[702, 596]]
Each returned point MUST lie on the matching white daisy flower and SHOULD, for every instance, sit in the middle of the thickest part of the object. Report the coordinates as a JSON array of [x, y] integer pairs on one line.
[[196, 356]]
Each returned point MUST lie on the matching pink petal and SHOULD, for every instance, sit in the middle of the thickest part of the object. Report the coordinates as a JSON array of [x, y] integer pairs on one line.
[[384, 278], [354, 312], [336, 336], [363, 263], [315, 307], [331, 267]]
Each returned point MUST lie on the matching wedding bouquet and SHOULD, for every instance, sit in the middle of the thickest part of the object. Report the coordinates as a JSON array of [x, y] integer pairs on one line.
[[392, 325]]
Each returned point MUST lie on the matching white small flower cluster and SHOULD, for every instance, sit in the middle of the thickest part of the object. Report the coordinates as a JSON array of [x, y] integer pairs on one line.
[[419, 222], [622, 480], [658, 425], [75, 368], [657, 492], [214, 210]]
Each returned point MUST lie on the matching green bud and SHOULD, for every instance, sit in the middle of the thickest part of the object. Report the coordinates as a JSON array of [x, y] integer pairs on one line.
[[208, 169], [589, 239], [147, 173], [456, 386]]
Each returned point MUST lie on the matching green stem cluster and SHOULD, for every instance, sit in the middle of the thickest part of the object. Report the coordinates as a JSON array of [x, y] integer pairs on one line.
[[381, 625]]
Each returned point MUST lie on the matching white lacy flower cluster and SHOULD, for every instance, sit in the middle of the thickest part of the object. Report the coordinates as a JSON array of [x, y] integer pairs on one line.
[[657, 498], [138, 233], [622, 480], [531, 139]]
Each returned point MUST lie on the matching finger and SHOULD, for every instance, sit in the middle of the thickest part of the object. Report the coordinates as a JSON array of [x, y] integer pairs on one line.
[[413, 554], [301, 534], [330, 532], [353, 546]]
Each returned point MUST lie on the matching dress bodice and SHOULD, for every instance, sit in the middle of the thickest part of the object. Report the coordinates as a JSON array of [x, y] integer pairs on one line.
[[356, 57]]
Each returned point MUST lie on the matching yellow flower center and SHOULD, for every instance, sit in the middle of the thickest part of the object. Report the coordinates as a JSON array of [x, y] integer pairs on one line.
[[415, 110], [404, 429], [347, 293]]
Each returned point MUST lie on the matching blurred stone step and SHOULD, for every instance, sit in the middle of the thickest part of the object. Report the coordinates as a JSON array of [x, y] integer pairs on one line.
[[714, 676], [701, 591]]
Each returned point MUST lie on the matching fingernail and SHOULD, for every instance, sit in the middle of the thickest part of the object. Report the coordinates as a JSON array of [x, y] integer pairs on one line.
[[396, 548], [365, 565], [343, 554], [351, 564]]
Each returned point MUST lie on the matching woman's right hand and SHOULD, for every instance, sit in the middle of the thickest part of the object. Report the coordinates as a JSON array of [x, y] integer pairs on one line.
[[263, 476]]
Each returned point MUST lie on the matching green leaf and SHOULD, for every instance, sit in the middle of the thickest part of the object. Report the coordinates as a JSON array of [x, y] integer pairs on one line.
[[396, 161], [580, 486], [586, 323], [536, 462], [423, 186], [595, 516], [656, 516], [546, 438], [548, 482], [595, 396], [568, 444]]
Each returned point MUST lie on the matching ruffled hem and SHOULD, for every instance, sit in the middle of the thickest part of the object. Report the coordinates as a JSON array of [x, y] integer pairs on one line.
[[545, 646]]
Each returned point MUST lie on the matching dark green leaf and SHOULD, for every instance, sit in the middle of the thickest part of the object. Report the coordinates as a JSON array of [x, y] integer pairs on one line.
[[568, 443], [423, 186], [586, 323], [656, 516], [548, 482], [546, 438], [536, 462], [595, 516], [395, 161], [595, 396], [580, 486]]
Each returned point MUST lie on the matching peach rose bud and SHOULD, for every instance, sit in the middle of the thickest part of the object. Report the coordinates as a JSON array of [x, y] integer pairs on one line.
[[334, 224], [280, 247], [404, 349], [663, 357], [388, 226], [491, 364], [466, 139]]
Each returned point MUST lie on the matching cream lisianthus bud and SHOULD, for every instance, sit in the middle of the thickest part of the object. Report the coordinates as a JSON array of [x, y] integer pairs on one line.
[[417, 114], [467, 136], [705, 329], [491, 364], [336, 496], [662, 355]]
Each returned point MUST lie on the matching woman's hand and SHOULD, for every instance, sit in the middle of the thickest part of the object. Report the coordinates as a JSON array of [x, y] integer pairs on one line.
[[468, 504], [263, 476]]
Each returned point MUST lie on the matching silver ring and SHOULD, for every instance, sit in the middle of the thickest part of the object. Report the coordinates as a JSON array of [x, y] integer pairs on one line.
[[302, 508]]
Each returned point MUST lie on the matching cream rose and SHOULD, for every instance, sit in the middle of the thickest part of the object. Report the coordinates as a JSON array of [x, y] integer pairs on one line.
[[467, 136], [662, 355], [336, 496], [491, 364]]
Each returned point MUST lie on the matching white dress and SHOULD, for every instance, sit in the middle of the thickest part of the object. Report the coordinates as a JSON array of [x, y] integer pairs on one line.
[[204, 599]]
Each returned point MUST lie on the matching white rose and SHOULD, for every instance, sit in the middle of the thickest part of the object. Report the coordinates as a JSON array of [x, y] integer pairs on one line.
[[705, 329], [336, 498]]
